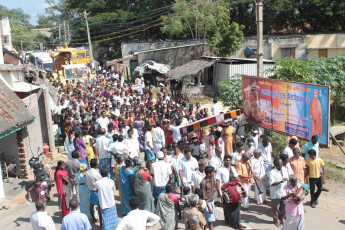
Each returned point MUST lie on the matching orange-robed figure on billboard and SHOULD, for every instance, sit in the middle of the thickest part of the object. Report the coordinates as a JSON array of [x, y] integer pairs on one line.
[[315, 111]]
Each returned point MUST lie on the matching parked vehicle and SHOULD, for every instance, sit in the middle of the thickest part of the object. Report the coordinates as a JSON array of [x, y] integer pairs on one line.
[[41, 171]]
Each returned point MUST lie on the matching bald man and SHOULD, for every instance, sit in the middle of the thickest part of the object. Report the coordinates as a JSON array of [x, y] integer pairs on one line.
[[40, 219]]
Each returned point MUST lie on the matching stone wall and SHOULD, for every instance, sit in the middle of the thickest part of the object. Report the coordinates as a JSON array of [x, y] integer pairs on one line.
[[174, 56]]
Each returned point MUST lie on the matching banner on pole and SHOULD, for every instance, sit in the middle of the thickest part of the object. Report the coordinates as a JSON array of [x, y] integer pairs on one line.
[[292, 108]]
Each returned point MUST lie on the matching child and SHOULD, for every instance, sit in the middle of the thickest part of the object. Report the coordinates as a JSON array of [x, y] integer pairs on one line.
[[39, 189], [185, 196], [202, 204]]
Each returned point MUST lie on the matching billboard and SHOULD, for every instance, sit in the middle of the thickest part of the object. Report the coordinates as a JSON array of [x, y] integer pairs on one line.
[[291, 108]]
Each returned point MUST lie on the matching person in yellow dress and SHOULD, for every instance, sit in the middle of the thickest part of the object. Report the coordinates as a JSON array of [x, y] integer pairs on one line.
[[228, 133], [119, 163], [89, 141]]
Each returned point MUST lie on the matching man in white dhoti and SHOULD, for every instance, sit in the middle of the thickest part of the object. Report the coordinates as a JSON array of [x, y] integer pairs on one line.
[[259, 172]]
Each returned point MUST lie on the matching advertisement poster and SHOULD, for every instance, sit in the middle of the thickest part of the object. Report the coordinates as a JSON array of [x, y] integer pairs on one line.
[[291, 108]]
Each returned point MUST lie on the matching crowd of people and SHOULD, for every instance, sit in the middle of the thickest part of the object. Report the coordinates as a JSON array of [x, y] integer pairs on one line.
[[106, 125]]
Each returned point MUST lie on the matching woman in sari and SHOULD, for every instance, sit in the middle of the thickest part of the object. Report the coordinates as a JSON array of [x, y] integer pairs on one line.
[[80, 146], [228, 133], [167, 209], [142, 188], [88, 141], [84, 192], [61, 181], [119, 163], [69, 146], [126, 178]]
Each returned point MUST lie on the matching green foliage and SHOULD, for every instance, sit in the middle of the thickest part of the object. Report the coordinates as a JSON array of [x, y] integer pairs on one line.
[[230, 92], [204, 20], [334, 173], [278, 142], [323, 71], [291, 15]]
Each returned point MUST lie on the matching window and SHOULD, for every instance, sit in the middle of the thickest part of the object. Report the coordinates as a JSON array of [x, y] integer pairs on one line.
[[87, 54], [80, 55], [288, 52], [5, 39], [323, 53]]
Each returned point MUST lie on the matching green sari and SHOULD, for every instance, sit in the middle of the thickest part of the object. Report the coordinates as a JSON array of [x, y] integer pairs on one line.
[[166, 210], [142, 190]]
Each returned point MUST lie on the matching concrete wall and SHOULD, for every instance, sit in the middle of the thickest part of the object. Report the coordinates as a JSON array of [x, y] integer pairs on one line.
[[12, 76], [36, 129], [331, 52], [131, 47], [273, 46], [9, 146]]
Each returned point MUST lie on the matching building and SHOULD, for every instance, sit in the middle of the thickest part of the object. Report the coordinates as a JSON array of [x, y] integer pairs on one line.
[[5, 32], [297, 46]]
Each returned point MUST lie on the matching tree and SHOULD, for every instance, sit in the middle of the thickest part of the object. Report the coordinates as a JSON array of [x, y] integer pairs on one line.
[[230, 91], [204, 20]]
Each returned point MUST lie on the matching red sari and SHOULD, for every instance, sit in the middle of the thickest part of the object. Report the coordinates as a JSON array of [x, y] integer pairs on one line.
[[60, 184]]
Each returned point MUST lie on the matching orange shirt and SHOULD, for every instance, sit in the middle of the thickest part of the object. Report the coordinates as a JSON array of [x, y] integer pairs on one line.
[[298, 167], [243, 169]]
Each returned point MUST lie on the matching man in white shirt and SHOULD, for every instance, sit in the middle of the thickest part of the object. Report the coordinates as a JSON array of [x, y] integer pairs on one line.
[[92, 176], [266, 149], [103, 121], [215, 109], [175, 129], [199, 174], [132, 144], [106, 188], [236, 156], [40, 220], [259, 172], [216, 161], [255, 138], [138, 219], [161, 173], [188, 165], [288, 149], [119, 147], [158, 137], [102, 143], [277, 180], [150, 155]]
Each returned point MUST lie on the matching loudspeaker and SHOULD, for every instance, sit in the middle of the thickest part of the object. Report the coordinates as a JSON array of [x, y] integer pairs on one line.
[[248, 52]]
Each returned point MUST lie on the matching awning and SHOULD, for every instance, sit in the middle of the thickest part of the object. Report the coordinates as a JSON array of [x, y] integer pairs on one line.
[[112, 62], [189, 68]]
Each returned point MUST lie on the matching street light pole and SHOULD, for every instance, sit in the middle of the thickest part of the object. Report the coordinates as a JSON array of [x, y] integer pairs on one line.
[[260, 36]]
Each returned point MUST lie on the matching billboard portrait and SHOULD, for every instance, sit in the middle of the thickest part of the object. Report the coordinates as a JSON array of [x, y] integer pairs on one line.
[[291, 108]]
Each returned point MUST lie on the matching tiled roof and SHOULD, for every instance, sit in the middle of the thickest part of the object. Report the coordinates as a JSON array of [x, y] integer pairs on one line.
[[13, 112]]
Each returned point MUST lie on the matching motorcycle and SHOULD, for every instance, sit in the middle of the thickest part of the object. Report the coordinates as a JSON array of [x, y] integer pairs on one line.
[[41, 171]]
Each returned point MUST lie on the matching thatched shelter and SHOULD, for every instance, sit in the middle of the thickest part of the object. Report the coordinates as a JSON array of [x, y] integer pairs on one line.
[[190, 68]]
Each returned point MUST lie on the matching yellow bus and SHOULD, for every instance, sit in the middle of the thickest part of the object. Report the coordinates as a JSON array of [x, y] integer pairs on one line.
[[83, 56]]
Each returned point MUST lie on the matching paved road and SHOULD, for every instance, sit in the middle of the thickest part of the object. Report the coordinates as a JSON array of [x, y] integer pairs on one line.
[[329, 215]]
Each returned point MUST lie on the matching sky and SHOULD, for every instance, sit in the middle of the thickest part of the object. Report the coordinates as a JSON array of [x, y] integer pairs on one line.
[[30, 7]]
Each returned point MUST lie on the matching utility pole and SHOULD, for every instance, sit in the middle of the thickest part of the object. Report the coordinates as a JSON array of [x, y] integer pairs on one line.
[[64, 30], [59, 33], [1, 62], [89, 39], [260, 36], [68, 36]]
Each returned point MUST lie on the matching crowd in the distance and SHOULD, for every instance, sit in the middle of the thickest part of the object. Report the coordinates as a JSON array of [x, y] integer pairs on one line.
[[106, 125]]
